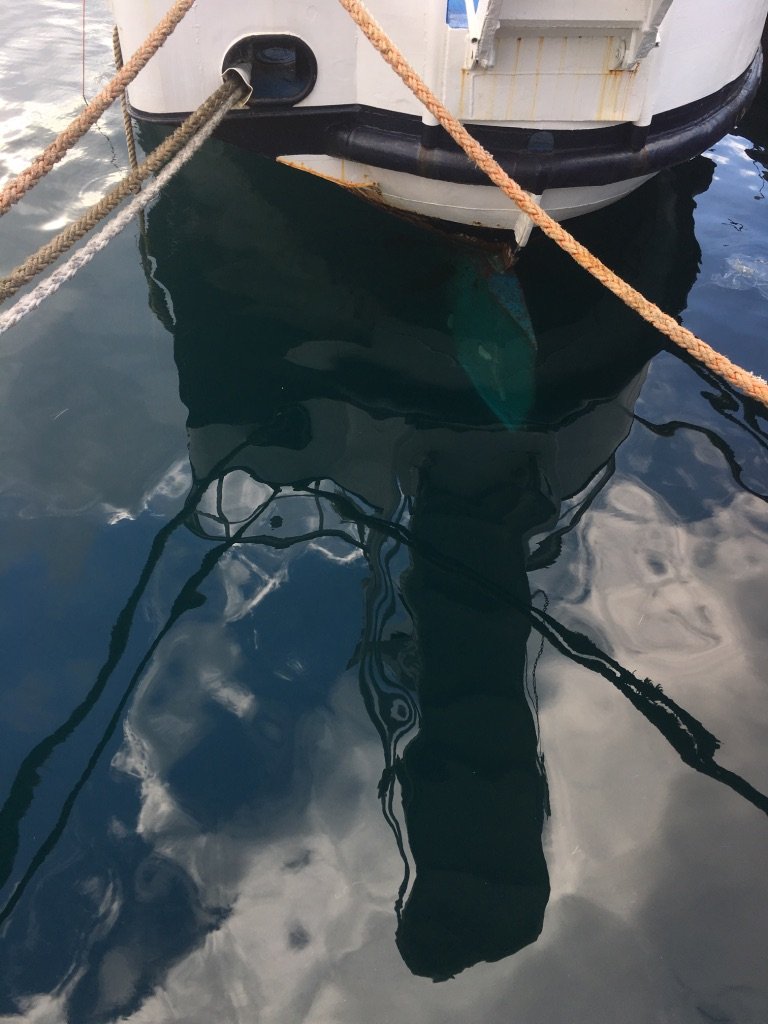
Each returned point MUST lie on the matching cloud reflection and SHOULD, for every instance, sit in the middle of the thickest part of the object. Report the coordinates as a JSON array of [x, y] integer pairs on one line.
[[257, 831]]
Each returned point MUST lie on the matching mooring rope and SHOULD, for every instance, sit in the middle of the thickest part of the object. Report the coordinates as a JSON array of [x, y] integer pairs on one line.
[[49, 252], [130, 138], [42, 164], [748, 383], [83, 256]]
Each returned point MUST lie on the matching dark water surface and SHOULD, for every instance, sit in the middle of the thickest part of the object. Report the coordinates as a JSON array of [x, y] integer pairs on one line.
[[384, 638]]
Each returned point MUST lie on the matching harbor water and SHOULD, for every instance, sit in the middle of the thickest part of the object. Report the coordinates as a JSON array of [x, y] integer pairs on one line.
[[384, 631]]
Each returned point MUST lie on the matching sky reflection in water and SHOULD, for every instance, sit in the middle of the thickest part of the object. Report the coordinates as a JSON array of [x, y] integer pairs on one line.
[[289, 719]]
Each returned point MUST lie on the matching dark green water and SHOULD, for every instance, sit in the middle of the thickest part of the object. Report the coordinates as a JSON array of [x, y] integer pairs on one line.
[[384, 637]]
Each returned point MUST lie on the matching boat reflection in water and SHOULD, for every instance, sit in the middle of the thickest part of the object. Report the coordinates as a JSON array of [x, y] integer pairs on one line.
[[384, 394], [386, 436]]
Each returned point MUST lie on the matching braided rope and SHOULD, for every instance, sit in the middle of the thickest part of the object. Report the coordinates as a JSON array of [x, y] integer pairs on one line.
[[130, 138], [83, 256], [51, 251], [746, 382], [50, 156]]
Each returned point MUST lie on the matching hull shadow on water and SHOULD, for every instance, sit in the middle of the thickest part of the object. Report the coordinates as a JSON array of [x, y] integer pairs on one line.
[[363, 390]]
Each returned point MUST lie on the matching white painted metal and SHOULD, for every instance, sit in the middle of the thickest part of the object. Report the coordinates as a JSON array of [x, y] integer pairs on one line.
[[647, 39], [549, 78], [483, 26], [564, 72], [563, 64], [632, 26], [471, 205], [705, 44]]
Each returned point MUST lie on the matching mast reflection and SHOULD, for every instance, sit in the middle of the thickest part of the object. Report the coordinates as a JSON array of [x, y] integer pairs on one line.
[[363, 389], [408, 407]]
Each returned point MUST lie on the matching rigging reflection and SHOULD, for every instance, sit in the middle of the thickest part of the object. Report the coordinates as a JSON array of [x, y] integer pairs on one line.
[[367, 389], [440, 432]]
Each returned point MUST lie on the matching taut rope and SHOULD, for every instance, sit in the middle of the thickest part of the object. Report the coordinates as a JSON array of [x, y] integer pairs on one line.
[[83, 256], [50, 156], [130, 138], [746, 382], [230, 90]]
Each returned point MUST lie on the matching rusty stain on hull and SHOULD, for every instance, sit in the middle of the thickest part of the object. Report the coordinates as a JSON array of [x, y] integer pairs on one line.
[[568, 77], [351, 186], [616, 84]]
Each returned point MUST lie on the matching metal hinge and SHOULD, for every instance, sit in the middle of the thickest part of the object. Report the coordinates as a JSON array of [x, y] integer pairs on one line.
[[485, 20], [646, 38]]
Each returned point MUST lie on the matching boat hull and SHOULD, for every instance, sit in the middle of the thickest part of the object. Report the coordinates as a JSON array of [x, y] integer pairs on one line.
[[463, 205], [579, 105]]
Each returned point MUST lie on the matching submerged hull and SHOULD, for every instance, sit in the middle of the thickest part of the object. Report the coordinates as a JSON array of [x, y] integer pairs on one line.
[[580, 103]]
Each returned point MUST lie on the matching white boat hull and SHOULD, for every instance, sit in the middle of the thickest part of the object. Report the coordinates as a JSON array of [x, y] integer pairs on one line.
[[473, 206], [580, 100]]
